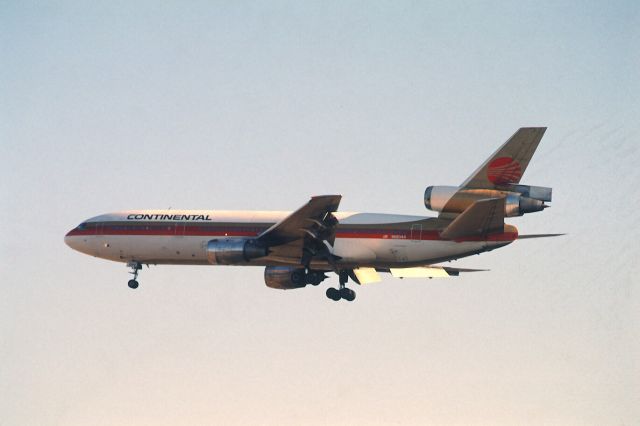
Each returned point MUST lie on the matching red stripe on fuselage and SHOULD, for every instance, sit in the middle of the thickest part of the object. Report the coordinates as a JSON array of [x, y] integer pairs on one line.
[[196, 231]]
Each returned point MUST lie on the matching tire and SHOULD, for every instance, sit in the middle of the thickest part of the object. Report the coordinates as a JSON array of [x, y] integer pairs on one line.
[[315, 278], [133, 284], [333, 294], [352, 296], [348, 294]]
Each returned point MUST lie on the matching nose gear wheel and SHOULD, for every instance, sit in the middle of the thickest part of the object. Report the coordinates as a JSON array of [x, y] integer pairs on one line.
[[135, 268]]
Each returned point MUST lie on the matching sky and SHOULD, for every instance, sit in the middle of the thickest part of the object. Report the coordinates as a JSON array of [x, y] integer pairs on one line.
[[259, 105]]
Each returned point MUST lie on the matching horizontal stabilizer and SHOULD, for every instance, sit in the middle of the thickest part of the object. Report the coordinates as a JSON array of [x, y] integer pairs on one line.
[[479, 219], [456, 271], [527, 236]]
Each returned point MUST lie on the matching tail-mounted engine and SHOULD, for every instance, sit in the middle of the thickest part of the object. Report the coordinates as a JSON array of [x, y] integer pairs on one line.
[[231, 251], [519, 199]]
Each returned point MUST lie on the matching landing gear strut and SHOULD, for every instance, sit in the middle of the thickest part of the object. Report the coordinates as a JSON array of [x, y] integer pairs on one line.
[[135, 266], [343, 292]]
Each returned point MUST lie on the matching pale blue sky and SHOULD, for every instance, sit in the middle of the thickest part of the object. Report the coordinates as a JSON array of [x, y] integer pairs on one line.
[[258, 106]]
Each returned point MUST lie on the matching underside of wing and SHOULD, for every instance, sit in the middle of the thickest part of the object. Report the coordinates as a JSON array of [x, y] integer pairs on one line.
[[429, 271], [371, 275]]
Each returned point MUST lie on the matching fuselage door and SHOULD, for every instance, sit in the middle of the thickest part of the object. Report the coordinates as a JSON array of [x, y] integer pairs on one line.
[[416, 232]]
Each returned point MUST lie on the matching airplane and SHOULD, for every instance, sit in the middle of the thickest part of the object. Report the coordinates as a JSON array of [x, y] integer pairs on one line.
[[299, 248]]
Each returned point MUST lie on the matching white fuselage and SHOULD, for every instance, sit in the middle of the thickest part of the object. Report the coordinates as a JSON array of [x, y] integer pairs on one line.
[[181, 237]]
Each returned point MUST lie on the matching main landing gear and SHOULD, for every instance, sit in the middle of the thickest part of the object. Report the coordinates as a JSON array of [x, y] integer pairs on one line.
[[343, 292], [135, 266], [314, 277]]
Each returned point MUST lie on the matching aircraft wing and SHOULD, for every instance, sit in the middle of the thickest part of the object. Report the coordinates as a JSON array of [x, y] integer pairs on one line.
[[430, 271], [313, 220], [370, 275]]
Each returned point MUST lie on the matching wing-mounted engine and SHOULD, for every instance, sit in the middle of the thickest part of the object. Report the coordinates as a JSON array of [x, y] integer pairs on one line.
[[290, 277], [284, 277], [519, 199], [232, 251]]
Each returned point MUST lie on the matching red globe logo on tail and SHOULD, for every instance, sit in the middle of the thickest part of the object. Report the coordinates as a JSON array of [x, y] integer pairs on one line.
[[504, 170]]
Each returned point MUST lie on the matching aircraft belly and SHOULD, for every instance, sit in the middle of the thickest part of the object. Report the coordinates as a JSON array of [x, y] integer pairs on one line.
[[155, 249], [356, 249], [425, 250], [378, 251], [192, 249]]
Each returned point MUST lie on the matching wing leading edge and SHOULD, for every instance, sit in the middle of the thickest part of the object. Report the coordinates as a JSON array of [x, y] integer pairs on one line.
[[306, 221]]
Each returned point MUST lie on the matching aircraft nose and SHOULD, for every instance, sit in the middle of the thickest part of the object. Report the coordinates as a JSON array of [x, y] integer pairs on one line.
[[70, 240]]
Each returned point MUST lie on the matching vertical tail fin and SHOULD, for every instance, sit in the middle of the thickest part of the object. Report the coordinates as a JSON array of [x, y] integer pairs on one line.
[[509, 162]]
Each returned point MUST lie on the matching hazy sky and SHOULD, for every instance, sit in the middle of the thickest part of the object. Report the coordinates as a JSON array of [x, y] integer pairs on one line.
[[258, 105]]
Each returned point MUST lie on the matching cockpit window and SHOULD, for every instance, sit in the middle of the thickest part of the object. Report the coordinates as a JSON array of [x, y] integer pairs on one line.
[[82, 226]]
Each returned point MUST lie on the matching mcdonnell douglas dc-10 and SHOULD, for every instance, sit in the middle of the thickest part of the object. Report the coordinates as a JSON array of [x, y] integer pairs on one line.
[[299, 248]]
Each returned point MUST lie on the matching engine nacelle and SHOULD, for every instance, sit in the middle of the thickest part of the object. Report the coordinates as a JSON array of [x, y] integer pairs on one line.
[[231, 251], [284, 277], [437, 197], [441, 199], [517, 205], [541, 193]]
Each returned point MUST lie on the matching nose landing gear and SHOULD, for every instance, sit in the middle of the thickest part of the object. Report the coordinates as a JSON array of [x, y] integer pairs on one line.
[[135, 266], [343, 292]]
